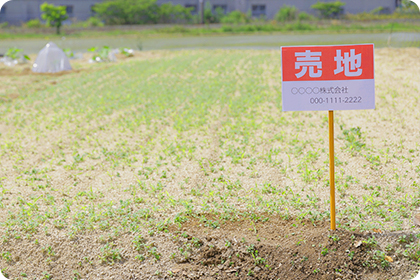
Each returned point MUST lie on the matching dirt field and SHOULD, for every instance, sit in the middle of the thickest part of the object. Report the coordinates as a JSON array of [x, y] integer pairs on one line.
[[181, 165]]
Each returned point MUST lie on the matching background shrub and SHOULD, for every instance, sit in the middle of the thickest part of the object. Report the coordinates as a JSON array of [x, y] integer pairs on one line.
[[305, 16], [236, 17], [286, 13], [169, 13], [33, 23], [140, 12], [330, 9]]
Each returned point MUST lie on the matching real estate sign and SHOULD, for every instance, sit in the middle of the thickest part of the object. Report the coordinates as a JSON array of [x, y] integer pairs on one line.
[[328, 78]]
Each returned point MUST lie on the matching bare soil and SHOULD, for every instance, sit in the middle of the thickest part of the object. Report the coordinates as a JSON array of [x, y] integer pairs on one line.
[[286, 250], [274, 249]]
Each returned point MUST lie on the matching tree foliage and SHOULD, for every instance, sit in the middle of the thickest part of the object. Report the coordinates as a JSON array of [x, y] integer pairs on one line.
[[329, 9], [140, 12], [54, 15], [408, 7]]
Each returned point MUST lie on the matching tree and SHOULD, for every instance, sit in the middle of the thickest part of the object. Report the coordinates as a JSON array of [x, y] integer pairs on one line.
[[330, 9], [408, 7], [54, 15]]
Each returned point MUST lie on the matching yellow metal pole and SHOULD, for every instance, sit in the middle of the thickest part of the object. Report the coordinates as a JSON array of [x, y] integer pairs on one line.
[[332, 179]]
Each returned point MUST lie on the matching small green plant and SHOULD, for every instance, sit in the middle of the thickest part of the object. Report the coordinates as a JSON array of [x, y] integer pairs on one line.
[[353, 138], [351, 254], [406, 238], [251, 249], [15, 53], [381, 258], [46, 276], [370, 242], [127, 52], [254, 253], [139, 243], [7, 256], [334, 237], [48, 250], [324, 251], [76, 275], [140, 257], [69, 53], [196, 242], [109, 254], [101, 54], [153, 251]]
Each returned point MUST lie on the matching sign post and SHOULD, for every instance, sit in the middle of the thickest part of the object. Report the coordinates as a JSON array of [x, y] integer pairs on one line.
[[332, 173], [328, 78]]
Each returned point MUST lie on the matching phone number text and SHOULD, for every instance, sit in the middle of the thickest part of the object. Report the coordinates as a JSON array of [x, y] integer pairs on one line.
[[334, 100]]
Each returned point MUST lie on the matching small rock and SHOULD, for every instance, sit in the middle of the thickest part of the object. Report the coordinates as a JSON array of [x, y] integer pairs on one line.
[[416, 217]]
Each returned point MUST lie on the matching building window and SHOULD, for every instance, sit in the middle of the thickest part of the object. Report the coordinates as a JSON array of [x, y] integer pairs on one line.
[[69, 10], [193, 8], [258, 10], [3, 10], [222, 8], [398, 3]]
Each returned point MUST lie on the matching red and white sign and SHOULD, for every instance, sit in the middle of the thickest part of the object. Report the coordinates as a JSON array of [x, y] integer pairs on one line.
[[316, 78]]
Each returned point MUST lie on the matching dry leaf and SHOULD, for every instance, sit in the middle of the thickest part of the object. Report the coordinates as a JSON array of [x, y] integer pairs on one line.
[[388, 259]]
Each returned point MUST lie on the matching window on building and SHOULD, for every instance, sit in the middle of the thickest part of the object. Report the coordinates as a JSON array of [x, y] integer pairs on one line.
[[398, 3], [69, 10], [222, 8], [193, 8], [3, 10], [258, 10]]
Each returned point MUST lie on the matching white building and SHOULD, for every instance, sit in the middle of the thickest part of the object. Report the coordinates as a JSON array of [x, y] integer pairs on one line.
[[18, 11]]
